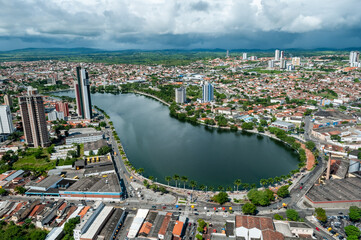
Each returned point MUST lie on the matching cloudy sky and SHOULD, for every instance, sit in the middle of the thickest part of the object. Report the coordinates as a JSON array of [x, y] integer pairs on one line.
[[182, 24]]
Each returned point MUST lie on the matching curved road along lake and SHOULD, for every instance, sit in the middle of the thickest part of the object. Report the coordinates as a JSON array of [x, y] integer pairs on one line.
[[164, 146]]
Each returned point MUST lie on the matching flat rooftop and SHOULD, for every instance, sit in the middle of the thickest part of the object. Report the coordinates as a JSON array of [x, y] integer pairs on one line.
[[96, 184], [95, 145], [111, 224], [336, 190], [99, 168]]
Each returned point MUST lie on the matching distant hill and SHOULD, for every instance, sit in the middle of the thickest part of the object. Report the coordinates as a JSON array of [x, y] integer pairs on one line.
[[150, 57]]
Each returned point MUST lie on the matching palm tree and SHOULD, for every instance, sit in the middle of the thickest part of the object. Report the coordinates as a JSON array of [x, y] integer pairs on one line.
[[237, 182], [263, 182], [278, 179], [168, 179], [184, 179], [220, 188], [229, 188], [253, 185], [193, 184], [211, 188], [202, 187], [176, 178], [140, 171], [151, 178], [284, 177], [270, 181], [245, 186]]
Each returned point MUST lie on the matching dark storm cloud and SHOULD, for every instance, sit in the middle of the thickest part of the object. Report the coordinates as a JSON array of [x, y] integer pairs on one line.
[[160, 24]]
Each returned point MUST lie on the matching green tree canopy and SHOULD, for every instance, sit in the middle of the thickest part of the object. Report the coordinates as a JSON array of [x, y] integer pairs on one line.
[[292, 215], [249, 209], [352, 231], [354, 213], [283, 191], [221, 198], [321, 214]]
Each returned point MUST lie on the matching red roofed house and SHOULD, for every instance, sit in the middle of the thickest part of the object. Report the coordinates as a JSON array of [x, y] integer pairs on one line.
[[256, 228]]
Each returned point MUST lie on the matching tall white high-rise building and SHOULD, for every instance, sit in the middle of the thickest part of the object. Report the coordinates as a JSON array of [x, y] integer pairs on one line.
[[296, 61], [82, 94], [354, 59], [282, 55], [180, 95], [227, 54], [6, 121], [271, 64], [244, 57], [208, 92], [283, 63], [277, 55]]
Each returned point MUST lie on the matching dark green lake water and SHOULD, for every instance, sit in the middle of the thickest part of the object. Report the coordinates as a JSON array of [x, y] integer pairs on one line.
[[164, 146]]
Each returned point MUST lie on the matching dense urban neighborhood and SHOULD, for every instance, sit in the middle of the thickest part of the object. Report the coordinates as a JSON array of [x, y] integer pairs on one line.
[[65, 174]]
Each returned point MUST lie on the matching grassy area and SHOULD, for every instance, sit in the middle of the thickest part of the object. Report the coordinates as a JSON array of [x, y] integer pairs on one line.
[[81, 150], [35, 159]]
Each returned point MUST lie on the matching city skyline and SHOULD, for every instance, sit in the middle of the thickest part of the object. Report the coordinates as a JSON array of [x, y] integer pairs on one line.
[[181, 25]]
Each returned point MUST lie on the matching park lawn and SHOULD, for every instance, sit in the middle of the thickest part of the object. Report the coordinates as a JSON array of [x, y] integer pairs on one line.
[[29, 162]]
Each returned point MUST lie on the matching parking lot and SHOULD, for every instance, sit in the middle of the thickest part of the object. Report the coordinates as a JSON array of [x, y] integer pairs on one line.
[[335, 225]]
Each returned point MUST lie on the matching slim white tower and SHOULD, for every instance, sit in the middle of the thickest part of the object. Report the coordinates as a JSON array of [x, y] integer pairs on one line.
[[6, 121]]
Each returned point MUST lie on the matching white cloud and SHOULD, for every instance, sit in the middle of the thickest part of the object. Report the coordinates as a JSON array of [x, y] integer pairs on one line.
[[114, 20]]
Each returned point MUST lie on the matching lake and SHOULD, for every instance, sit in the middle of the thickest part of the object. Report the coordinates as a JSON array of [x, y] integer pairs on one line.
[[165, 146]]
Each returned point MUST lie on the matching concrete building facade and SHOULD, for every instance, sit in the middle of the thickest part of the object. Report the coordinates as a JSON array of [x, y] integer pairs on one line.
[[82, 94], [34, 122], [6, 121], [180, 95]]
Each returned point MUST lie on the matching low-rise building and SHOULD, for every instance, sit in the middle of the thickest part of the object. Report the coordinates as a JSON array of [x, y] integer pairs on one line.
[[283, 125]]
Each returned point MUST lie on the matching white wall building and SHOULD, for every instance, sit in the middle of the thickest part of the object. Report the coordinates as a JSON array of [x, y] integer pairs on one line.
[[6, 121], [277, 55], [180, 95]]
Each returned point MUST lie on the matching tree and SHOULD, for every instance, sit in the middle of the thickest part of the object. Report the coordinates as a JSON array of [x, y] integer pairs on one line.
[[50, 149], [220, 198], [283, 191], [38, 234], [354, 213], [249, 209], [352, 231], [262, 198], [184, 179], [102, 124], [193, 184], [70, 225], [199, 237], [104, 150], [263, 182], [237, 182], [202, 187], [140, 171], [3, 192], [245, 186], [352, 237], [38, 153], [168, 179], [321, 214], [278, 217], [20, 189], [310, 145], [292, 215], [176, 178]]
